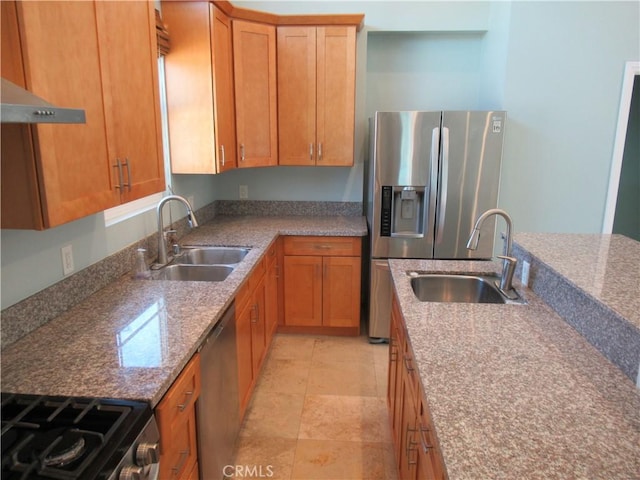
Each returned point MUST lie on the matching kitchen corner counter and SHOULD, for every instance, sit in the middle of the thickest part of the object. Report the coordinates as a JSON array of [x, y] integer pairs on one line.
[[131, 339], [514, 390]]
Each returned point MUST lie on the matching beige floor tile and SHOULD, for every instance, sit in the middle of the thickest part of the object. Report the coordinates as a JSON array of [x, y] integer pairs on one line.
[[292, 347], [390, 465], [284, 375], [264, 457], [335, 460], [342, 378], [338, 417], [273, 414], [343, 349]]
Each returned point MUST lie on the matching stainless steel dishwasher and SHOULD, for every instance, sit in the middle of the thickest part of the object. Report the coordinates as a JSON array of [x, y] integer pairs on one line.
[[218, 417]]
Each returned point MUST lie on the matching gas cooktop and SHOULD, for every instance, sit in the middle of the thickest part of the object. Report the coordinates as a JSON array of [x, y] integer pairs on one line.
[[67, 437]]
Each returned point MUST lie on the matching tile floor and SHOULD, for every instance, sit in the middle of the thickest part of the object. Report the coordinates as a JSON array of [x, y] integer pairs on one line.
[[319, 412]]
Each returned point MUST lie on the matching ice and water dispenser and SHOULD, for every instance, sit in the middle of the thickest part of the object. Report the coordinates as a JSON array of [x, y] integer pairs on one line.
[[403, 211]]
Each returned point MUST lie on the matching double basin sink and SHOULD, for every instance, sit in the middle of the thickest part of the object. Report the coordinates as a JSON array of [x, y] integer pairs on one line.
[[457, 288], [202, 264]]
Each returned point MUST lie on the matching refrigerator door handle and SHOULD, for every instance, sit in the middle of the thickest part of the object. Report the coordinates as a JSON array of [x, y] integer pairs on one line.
[[444, 180]]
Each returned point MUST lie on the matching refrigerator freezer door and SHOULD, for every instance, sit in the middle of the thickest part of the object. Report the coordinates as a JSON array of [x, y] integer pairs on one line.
[[469, 181], [380, 299], [404, 163]]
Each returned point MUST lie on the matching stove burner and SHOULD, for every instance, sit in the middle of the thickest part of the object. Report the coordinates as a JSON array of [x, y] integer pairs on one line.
[[68, 438], [70, 447]]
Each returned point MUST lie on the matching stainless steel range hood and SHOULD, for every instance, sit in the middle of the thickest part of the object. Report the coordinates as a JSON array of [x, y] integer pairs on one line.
[[18, 105]]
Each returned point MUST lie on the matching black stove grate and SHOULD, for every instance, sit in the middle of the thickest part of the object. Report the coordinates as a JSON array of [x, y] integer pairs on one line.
[[62, 437]]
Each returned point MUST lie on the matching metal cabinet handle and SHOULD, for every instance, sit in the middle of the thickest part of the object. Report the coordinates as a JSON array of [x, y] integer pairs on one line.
[[126, 165], [411, 445], [319, 151], [311, 151], [242, 152], [184, 454], [407, 363], [393, 350], [182, 406], [222, 154], [426, 446], [118, 165], [255, 313]]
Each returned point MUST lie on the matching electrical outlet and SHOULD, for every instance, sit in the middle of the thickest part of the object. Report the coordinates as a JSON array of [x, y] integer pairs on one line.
[[244, 192], [67, 259], [525, 273]]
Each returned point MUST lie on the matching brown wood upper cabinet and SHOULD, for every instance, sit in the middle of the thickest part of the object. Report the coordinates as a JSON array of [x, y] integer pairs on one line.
[[200, 91], [254, 56], [78, 54], [316, 95]]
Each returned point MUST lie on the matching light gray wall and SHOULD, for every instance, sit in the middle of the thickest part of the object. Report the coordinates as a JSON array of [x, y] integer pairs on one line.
[[564, 72]]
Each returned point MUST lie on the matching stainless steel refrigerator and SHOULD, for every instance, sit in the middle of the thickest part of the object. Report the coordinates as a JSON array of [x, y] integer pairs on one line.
[[429, 176]]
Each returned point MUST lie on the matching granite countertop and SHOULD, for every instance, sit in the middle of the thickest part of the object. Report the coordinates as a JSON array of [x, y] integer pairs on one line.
[[132, 338], [606, 267], [516, 392]]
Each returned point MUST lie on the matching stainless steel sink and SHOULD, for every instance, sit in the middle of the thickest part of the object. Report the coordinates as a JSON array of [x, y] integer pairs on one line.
[[211, 255], [193, 273], [455, 288]]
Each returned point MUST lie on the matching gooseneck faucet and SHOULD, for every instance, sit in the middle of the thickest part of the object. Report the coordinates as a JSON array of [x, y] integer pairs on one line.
[[191, 219], [509, 263]]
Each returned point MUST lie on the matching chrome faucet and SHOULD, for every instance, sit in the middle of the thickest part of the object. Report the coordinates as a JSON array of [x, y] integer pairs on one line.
[[191, 219], [509, 262]]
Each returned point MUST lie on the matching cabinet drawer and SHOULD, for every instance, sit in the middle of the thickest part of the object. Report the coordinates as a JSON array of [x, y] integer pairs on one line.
[[321, 246], [250, 284], [181, 397]]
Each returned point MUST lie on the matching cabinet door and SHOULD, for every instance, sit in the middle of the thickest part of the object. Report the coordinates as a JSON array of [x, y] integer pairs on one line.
[[243, 345], [409, 438], [336, 50], [297, 95], [394, 377], [258, 328], [224, 107], [428, 462], [190, 110], [341, 292], [271, 295], [130, 90], [61, 56], [254, 53], [303, 291]]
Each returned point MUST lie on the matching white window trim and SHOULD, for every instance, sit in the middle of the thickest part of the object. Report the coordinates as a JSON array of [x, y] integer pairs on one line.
[[131, 209]]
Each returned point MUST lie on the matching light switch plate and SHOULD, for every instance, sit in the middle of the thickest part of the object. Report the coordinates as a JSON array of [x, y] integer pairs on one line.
[[525, 273], [67, 259], [243, 192]]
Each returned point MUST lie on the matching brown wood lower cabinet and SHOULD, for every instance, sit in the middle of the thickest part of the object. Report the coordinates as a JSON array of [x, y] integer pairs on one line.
[[415, 444], [176, 417], [256, 318], [322, 284]]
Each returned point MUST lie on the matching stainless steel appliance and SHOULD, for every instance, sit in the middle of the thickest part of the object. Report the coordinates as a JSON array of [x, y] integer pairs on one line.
[[77, 438], [218, 406], [430, 175]]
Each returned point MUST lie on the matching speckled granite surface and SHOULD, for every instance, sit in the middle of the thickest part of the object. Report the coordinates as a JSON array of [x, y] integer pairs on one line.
[[24, 317], [593, 282], [514, 391], [131, 338]]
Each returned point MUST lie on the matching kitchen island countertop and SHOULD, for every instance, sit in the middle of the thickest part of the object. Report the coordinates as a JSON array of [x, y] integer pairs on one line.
[[515, 391], [132, 338]]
